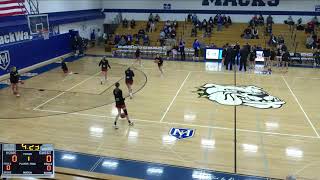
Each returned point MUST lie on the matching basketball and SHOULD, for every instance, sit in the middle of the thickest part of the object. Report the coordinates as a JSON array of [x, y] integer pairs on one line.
[[122, 115]]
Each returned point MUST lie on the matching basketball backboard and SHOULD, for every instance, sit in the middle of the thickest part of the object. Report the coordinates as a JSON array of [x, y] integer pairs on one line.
[[38, 23]]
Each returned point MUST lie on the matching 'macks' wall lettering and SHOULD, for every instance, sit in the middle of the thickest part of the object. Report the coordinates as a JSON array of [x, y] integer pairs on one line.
[[241, 2]]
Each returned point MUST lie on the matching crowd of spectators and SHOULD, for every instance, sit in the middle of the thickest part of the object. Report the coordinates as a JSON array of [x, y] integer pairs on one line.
[[141, 35], [169, 31], [252, 32], [125, 23], [207, 26], [312, 40]]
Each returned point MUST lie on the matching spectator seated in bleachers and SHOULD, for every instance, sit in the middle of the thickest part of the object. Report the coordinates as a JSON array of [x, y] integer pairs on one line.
[[175, 24], [310, 43], [300, 27], [141, 33], [273, 40], [289, 21], [194, 18], [254, 33], [280, 40], [208, 31], [129, 39], [315, 20], [254, 21], [116, 39], [247, 33], [269, 29], [212, 46], [136, 39], [269, 20], [189, 17], [166, 31], [122, 42], [215, 19], [310, 27], [220, 22], [125, 23], [146, 40], [157, 18], [132, 24], [194, 32], [211, 22], [225, 21], [151, 26], [168, 23], [197, 25], [229, 21], [203, 24], [261, 20], [173, 33], [162, 38], [150, 18]]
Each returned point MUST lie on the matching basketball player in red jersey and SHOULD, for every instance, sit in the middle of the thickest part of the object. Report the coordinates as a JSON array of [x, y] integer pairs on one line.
[[129, 80], [120, 104], [14, 80], [104, 63], [159, 61], [138, 56]]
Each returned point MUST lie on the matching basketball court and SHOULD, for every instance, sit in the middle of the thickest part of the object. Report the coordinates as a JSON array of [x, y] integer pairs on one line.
[[276, 136]]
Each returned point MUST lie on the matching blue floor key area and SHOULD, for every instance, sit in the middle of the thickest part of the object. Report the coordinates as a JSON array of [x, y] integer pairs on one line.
[[139, 169]]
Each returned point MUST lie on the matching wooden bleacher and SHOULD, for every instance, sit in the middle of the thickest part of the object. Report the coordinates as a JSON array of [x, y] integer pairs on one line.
[[229, 35]]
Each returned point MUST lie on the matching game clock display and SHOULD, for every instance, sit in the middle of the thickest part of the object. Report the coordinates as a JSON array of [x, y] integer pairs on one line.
[[23, 160]]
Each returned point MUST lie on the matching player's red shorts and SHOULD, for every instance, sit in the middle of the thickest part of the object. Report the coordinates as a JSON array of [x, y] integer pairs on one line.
[[120, 106], [130, 82], [104, 69]]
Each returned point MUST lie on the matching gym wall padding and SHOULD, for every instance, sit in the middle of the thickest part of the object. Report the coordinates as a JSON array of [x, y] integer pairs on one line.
[[28, 53]]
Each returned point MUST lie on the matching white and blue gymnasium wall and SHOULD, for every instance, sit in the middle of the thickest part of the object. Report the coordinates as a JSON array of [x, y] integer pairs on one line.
[[18, 48], [239, 10]]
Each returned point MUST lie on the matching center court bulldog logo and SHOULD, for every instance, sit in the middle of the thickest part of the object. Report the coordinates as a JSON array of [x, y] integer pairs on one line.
[[240, 95]]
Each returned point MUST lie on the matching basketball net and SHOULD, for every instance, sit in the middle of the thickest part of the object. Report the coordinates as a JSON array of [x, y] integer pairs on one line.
[[44, 34]]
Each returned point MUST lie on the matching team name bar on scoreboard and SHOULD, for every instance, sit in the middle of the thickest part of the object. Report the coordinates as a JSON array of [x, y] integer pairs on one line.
[[27, 160]]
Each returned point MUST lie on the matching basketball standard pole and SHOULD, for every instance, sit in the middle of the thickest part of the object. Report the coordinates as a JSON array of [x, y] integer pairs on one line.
[[235, 119]]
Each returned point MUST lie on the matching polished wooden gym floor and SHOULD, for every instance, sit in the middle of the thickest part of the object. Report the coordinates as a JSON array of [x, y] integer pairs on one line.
[[76, 113]]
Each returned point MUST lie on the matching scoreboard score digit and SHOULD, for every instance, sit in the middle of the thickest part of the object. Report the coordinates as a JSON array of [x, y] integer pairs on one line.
[[27, 160]]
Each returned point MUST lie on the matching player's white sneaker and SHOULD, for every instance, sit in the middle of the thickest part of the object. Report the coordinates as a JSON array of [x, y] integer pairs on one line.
[[18, 95], [115, 127], [131, 124]]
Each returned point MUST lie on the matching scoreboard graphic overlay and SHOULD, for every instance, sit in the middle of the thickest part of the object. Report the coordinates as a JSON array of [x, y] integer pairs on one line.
[[27, 160]]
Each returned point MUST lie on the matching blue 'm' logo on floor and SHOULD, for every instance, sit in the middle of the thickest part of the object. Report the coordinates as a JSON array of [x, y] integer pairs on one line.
[[180, 133]]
